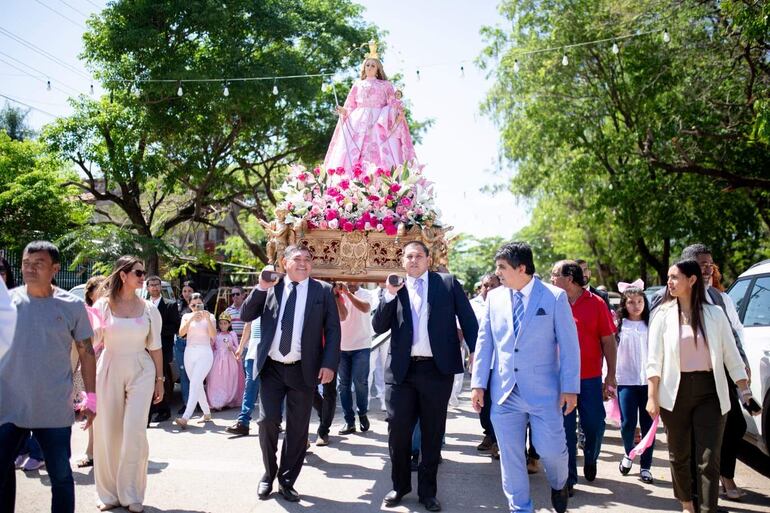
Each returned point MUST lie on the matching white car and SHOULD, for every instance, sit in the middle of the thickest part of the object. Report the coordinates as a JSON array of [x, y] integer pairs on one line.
[[751, 295]]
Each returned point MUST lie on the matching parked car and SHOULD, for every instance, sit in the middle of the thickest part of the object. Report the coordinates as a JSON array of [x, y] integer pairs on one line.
[[751, 295], [166, 290]]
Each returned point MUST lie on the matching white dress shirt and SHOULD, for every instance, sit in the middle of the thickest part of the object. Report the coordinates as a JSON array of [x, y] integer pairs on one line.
[[299, 321], [422, 345], [155, 301], [526, 291]]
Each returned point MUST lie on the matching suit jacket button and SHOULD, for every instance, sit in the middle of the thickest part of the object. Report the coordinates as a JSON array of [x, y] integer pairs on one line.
[[516, 350], [516, 369]]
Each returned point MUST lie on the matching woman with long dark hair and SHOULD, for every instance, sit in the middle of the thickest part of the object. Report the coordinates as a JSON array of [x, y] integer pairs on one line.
[[690, 346], [129, 376]]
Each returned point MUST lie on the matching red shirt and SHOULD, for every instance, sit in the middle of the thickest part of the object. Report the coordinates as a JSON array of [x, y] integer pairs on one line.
[[593, 322]]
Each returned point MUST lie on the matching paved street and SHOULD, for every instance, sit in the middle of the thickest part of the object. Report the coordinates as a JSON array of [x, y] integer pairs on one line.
[[206, 470]]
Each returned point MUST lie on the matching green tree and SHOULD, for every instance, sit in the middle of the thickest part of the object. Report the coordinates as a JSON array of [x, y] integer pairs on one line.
[[635, 153], [471, 258], [35, 203], [162, 159], [13, 120]]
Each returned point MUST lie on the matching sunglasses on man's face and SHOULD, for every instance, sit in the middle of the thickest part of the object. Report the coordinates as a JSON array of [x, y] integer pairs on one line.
[[235, 293]]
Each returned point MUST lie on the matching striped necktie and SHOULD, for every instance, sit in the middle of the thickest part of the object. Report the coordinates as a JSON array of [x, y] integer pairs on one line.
[[518, 312], [416, 302]]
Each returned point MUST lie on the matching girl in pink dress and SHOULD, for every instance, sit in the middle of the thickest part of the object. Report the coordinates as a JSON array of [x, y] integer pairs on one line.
[[225, 382], [372, 128]]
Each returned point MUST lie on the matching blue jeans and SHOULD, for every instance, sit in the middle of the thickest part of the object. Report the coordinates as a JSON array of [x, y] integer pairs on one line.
[[55, 443], [31, 447], [354, 369], [591, 409], [250, 392], [180, 343], [632, 401]]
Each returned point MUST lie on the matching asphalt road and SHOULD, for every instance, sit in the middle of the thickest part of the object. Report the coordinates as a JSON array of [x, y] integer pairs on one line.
[[206, 470]]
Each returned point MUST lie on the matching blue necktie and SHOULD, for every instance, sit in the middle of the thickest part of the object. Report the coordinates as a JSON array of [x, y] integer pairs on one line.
[[518, 312]]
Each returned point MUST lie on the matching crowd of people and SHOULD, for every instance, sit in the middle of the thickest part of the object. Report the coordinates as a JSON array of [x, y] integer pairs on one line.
[[547, 362]]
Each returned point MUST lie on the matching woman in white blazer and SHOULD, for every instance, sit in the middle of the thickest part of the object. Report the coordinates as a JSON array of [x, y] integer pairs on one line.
[[690, 347]]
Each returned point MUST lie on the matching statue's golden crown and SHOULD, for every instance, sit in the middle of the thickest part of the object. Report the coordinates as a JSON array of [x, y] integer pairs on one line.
[[372, 50]]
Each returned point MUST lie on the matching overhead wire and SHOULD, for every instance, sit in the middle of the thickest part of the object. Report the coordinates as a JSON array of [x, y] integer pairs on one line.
[[62, 15], [42, 52], [28, 105], [43, 76]]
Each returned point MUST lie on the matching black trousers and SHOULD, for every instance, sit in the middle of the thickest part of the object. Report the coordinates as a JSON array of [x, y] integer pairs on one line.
[[486, 423], [696, 419], [735, 428], [279, 382], [424, 395], [326, 406], [168, 389]]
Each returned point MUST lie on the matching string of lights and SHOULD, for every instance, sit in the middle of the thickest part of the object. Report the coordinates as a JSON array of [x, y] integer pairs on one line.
[[328, 77]]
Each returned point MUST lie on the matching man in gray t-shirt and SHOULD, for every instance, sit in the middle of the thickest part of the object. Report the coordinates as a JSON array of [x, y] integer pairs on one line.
[[36, 376]]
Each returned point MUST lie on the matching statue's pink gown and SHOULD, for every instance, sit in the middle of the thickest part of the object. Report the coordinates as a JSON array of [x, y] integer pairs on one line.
[[372, 132]]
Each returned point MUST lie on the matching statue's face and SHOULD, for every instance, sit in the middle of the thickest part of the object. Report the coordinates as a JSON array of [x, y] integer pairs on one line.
[[370, 68]]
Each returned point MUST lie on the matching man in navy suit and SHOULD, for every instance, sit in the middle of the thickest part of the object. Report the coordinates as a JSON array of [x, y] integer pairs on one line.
[[300, 347], [529, 339], [422, 315]]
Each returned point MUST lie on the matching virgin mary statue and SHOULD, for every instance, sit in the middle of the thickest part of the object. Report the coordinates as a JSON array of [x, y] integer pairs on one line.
[[371, 129]]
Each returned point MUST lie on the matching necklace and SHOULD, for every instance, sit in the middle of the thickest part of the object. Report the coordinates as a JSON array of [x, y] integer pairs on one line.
[[685, 317]]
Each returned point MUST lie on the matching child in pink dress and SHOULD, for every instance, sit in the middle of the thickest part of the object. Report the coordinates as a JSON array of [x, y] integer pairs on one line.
[[225, 382]]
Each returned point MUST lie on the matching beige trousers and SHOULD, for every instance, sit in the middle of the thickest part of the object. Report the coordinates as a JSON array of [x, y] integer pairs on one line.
[[124, 387]]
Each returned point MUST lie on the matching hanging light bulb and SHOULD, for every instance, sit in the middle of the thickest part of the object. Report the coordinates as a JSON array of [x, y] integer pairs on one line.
[[275, 87], [92, 90], [564, 60], [179, 91], [462, 71], [226, 91], [418, 74], [48, 85], [516, 65], [666, 37], [615, 48]]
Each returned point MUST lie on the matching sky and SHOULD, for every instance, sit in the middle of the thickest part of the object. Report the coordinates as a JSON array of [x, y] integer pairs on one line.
[[436, 37]]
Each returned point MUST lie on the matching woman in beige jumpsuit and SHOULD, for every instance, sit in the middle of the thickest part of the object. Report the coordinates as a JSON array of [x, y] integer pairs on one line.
[[129, 377]]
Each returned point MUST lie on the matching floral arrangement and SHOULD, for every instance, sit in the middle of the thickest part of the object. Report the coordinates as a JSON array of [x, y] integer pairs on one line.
[[367, 198]]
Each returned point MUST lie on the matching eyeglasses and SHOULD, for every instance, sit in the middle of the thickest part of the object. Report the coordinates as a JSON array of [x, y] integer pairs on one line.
[[139, 273], [235, 293]]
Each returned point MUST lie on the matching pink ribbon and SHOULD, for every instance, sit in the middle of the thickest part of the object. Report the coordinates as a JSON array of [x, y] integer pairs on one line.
[[612, 409], [87, 401], [646, 442], [623, 286]]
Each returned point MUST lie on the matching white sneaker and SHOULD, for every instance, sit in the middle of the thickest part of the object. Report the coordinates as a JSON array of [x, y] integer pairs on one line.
[[19, 462], [32, 464]]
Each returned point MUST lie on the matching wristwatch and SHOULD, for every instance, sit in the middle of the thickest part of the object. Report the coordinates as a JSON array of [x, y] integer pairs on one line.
[[162, 379]]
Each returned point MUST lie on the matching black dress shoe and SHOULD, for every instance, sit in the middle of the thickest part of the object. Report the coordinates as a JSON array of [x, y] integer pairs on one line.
[[431, 504], [393, 498], [364, 420], [560, 498], [571, 490], [288, 493], [264, 490], [589, 471], [163, 416], [238, 429], [181, 410], [350, 428]]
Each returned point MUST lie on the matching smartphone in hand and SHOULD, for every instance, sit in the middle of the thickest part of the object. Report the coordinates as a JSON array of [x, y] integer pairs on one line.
[[395, 280], [271, 276], [752, 406]]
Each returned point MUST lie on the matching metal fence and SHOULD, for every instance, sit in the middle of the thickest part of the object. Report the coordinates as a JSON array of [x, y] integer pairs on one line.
[[65, 279]]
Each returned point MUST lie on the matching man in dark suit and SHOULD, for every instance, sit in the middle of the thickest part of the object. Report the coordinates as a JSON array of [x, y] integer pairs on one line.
[[169, 313], [596, 292], [300, 347], [425, 355]]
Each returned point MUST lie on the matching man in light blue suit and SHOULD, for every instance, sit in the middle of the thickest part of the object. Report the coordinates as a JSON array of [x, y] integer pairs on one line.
[[528, 333]]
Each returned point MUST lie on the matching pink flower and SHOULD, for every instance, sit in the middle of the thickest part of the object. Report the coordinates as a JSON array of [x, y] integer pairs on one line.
[[374, 197], [400, 210], [348, 226], [360, 225], [357, 172], [340, 170], [317, 171], [389, 197], [344, 184], [387, 172], [395, 187], [387, 220], [334, 224], [406, 202], [324, 225], [302, 177], [367, 180], [331, 214], [379, 172], [390, 229], [379, 227], [333, 192]]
